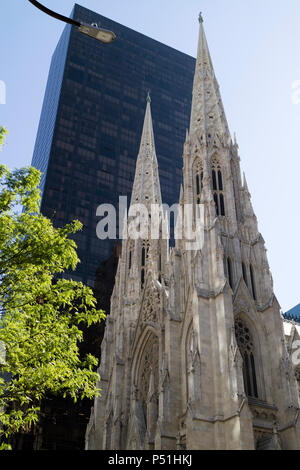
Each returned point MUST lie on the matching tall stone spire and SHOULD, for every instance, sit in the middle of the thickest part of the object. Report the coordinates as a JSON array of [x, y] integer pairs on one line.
[[146, 187], [208, 115]]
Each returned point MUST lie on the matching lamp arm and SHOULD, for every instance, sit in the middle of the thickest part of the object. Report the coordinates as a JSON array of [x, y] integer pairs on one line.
[[55, 15]]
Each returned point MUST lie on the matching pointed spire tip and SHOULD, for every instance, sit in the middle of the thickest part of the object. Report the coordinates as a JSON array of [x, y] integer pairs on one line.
[[200, 17], [245, 182], [148, 97]]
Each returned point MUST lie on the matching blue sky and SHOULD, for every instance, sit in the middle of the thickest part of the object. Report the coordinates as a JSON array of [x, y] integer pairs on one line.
[[255, 49]]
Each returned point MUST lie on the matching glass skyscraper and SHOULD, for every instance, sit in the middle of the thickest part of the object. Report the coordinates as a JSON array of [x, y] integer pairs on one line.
[[91, 124]]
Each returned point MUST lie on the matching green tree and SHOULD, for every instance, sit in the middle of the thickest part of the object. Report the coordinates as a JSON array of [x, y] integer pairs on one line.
[[40, 313], [3, 133]]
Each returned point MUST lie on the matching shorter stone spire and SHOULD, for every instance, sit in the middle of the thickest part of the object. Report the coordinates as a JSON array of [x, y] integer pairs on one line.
[[146, 186], [235, 141], [181, 196], [247, 204], [245, 185], [187, 136]]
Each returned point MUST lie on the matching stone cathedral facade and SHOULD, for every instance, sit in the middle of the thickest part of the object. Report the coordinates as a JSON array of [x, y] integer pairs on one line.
[[196, 354]]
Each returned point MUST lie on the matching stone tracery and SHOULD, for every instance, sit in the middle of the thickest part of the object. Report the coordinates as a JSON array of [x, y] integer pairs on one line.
[[246, 346]]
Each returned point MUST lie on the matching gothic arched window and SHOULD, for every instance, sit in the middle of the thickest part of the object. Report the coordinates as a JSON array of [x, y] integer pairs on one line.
[[144, 256], [218, 187], [245, 273], [142, 278], [252, 277], [246, 347], [198, 172], [159, 268], [130, 260], [229, 270], [148, 383], [222, 204], [130, 254]]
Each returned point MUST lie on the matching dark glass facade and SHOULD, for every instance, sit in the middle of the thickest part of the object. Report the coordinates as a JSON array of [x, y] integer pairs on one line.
[[91, 124]]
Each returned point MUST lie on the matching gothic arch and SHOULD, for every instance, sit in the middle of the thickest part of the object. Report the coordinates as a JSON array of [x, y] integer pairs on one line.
[[144, 260], [145, 373], [191, 365], [197, 164], [249, 345], [253, 271], [253, 281], [149, 362], [130, 254], [245, 273], [218, 185], [147, 382], [198, 173], [138, 348], [229, 269]]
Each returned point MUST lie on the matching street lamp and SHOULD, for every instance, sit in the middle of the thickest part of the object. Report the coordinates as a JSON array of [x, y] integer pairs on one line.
[[100, 34]]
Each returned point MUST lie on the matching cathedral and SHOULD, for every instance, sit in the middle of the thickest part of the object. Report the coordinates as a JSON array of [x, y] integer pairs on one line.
[[196, 354]]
